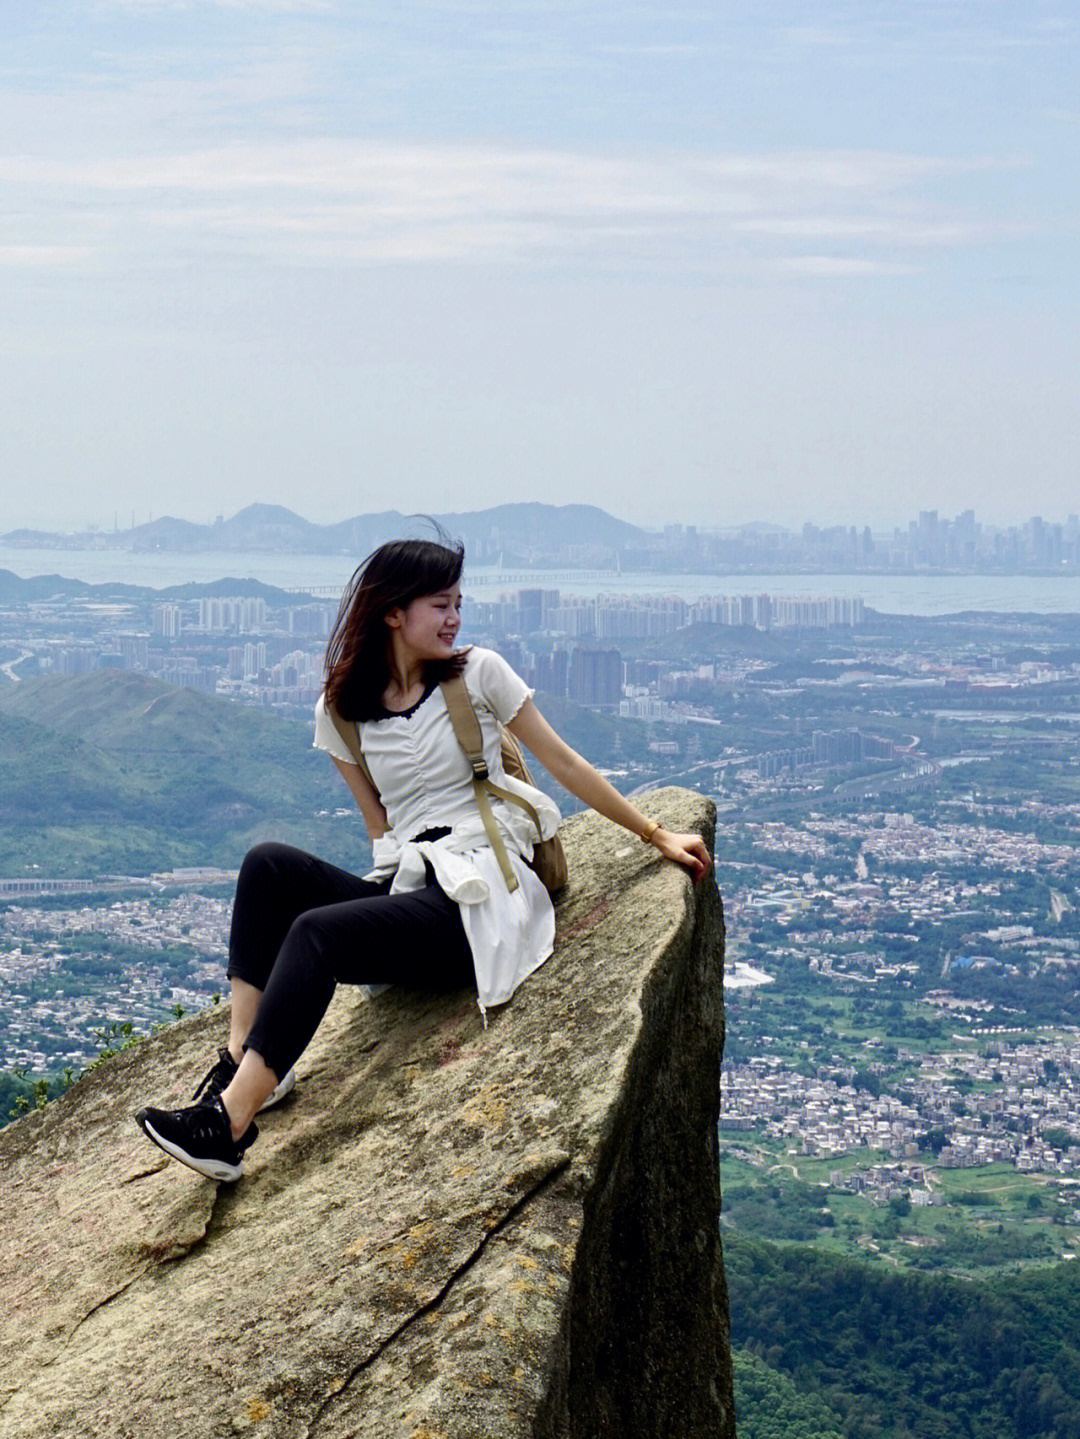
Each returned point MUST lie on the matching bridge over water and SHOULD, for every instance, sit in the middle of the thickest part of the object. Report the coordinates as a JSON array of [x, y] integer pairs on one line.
[[501, 579]]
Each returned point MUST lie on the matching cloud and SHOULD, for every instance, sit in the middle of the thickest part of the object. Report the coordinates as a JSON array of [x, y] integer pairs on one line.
[[304, 7], [819, 35], [840, 267], [904, 231], [24, 256], [321, 200]]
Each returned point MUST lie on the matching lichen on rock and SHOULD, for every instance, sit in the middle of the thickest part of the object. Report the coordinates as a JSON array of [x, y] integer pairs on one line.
[[449, 1231]]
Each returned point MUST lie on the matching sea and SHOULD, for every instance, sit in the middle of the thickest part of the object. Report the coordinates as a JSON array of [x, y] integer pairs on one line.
[[326, 575]]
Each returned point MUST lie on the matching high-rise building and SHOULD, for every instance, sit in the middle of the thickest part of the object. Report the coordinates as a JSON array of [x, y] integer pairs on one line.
[[552, 673], [167, 621], [530, 611], [596, 677]]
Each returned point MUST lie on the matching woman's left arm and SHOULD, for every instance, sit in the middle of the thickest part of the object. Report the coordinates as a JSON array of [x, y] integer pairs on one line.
[[578, 776]]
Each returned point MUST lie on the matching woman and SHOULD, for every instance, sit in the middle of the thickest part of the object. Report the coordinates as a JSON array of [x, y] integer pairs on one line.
[[436, 911]]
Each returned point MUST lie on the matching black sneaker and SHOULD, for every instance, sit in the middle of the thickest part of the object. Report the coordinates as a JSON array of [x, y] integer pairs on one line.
[[219, 1076], [200, 1137]]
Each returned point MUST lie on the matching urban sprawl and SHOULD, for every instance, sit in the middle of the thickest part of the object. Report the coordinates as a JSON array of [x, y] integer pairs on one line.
[[899, 808]]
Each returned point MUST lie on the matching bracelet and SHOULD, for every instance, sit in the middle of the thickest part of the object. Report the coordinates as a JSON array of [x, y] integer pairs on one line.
[[650, 829]]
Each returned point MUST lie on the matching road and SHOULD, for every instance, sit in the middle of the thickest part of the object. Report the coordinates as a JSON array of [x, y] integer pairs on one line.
[[8, 669]]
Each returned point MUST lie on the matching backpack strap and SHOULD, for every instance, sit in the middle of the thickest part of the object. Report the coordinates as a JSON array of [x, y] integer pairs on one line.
[[466, 726], [462, 714], [349, 731]]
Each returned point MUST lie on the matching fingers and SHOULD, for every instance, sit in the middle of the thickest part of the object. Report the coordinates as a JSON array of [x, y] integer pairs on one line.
[[688, 850], [699, 858]]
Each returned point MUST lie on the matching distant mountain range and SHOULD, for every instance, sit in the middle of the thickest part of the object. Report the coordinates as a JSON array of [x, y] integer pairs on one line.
[[16, 590], [519, 533]]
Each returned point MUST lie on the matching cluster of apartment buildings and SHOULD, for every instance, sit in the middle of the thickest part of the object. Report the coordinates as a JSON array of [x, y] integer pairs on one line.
[[826, 747], [238, 645], [46, 1026], [640, 617], [931, 541], [1016, 1105]]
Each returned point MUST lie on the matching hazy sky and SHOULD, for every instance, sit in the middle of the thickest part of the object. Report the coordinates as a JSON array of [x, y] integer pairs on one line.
[[709, 262]]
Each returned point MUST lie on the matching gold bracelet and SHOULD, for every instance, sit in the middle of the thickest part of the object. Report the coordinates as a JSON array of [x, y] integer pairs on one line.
[[650, 829]]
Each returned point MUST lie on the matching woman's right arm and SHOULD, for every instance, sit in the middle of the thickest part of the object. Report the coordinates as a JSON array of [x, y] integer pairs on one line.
[[366, 796]]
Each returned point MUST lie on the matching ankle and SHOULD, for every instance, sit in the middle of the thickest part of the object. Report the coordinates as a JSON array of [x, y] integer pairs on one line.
[[237, 1130], [236, 1052]]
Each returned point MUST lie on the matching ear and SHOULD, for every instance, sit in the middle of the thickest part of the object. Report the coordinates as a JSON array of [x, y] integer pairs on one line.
[[394, 617]]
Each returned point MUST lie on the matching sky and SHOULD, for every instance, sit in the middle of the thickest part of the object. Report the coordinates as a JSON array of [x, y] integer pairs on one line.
[[712, 263]]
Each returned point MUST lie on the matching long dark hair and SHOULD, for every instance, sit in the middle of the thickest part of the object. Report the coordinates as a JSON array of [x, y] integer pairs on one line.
[[358, 652]]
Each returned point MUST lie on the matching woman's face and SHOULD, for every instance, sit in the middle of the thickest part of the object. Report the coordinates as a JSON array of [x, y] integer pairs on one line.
[[429, 625]]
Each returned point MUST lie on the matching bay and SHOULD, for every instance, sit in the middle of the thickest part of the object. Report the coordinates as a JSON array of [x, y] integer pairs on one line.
[[326, 575]]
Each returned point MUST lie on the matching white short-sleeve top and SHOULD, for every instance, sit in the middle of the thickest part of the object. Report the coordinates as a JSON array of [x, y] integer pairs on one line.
[[425, 781]]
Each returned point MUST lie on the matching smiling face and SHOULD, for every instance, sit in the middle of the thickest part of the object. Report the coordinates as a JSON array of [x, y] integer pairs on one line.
[[427, 628]]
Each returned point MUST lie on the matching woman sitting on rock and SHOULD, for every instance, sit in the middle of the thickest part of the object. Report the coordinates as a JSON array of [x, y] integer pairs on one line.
[[437, 911]]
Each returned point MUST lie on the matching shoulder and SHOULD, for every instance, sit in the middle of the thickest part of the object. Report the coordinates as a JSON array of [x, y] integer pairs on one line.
[[494, 682], [487, 667], [327, 735], [479, 658]]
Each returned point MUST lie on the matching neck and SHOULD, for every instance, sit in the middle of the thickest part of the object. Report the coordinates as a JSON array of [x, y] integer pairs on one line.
[[406, 671]]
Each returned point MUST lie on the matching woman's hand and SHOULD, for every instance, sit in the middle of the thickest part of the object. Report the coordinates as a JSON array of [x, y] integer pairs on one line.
[[685, 849]]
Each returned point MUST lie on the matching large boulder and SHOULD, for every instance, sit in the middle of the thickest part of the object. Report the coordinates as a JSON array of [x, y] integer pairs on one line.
[[449, 1231]]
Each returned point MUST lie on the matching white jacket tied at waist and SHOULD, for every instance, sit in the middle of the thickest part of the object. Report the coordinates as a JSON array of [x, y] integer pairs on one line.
[[513, 933]]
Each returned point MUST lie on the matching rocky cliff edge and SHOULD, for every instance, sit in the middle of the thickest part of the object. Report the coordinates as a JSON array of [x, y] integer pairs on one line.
[[448, 1231]]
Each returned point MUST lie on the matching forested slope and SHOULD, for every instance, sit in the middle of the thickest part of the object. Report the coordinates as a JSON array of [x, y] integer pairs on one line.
[[902, 1355], [117, 773]]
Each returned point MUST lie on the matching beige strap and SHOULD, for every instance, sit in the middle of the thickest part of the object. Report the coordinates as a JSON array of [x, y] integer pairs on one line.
[[459, 706], [470, 737], [349, 731]]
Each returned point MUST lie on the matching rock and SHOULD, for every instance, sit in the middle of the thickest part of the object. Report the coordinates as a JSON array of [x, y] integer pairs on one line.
[[448, 1232]]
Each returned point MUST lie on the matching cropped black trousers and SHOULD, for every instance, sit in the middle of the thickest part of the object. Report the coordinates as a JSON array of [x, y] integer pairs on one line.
[[301, 926]]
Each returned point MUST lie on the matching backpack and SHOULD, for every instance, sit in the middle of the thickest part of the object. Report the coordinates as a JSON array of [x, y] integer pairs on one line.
[[549, 859]]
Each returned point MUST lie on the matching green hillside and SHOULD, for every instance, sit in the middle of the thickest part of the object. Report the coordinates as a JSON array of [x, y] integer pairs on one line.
[[901, 1355], [117, 773]]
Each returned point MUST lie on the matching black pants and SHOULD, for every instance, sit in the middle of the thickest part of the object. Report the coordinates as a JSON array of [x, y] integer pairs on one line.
[[301, 926]]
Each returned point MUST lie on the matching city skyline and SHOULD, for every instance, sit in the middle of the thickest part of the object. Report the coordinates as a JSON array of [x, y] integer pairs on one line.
[[931, 527]]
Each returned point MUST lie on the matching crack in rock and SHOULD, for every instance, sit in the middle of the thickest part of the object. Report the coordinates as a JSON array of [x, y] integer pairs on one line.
[[432, 1304]]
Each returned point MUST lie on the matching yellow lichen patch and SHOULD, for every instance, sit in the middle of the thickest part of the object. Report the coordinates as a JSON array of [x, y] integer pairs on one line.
[[257, 1408], [526, 1261], [487, 1109], [522, 1286]]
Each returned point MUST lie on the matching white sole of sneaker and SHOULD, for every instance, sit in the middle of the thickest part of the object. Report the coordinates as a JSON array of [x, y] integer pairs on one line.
[[285, 1088], [211, 1168]]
